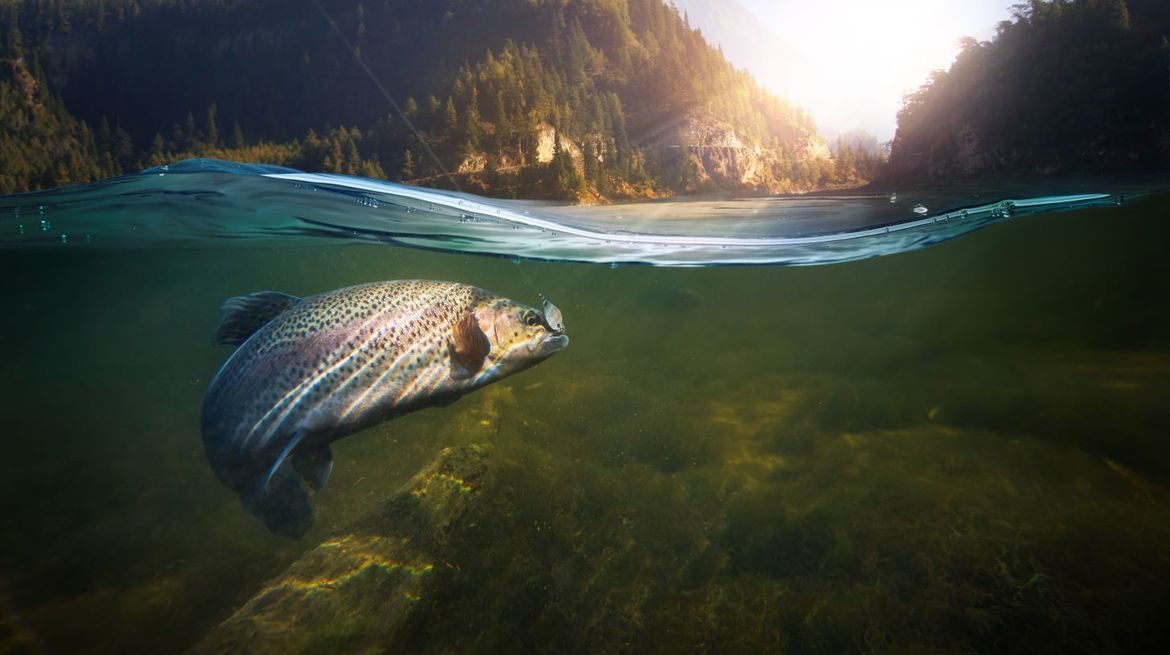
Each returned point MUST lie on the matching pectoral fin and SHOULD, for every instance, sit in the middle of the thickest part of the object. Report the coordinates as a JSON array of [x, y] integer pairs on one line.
[[278, 498], [284, 453], [469, 346]]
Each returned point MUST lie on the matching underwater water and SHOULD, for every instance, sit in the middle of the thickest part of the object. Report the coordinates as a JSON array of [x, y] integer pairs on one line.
[[959, 448]]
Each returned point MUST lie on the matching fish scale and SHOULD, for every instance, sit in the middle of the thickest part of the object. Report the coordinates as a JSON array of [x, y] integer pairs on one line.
[[319, 369]]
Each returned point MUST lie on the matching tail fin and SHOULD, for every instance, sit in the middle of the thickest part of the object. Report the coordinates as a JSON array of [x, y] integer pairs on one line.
[[280, 502]]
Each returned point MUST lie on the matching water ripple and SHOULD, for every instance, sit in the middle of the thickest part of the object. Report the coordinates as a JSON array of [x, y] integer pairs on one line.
[[207, 203]]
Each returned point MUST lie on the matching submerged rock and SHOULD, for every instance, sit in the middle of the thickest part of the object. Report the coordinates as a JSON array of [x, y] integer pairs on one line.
[[356, 589]]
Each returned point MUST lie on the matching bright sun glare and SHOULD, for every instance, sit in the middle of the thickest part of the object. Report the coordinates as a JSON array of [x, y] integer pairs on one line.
[[861, 56]]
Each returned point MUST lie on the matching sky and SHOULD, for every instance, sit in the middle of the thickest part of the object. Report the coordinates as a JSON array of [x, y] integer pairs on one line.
[[856, 58]]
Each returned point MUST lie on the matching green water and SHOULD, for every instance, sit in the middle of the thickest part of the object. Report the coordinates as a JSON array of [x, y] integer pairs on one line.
[[961, 449]]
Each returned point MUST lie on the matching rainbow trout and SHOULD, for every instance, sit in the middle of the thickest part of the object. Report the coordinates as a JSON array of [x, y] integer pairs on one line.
[[311, 371]]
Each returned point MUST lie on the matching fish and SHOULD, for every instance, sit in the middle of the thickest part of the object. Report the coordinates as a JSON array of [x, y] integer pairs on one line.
[[309, 371]]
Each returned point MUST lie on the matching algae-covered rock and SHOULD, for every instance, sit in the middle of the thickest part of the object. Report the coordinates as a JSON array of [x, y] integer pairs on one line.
[[353, 591]]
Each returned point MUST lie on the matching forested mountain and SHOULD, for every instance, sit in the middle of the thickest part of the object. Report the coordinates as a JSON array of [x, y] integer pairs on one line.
[[553, 98], [744, 37], [41, 144], [1066, 86]]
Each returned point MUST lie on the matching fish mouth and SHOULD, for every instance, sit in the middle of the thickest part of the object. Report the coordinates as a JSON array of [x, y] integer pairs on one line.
[[554, 342]]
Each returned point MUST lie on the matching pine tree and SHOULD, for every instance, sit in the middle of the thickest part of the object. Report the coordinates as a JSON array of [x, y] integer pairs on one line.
[[407, 166], [121, 147], [590, 161], [237, 135], [14, 48], [104, 134], [452, 115], [190, 134], [503, 124], [471, 120], [353, 159], [212, 128]]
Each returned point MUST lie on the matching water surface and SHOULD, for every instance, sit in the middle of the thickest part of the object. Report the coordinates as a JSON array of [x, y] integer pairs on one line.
[[213, 203]]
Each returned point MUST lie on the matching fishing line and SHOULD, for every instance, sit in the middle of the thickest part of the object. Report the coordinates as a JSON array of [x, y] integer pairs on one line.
[[566, 283], [526, 277], [373, 78], [397, 110]]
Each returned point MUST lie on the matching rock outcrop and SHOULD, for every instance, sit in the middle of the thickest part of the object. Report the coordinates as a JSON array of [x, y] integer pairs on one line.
[[717, 158], [355, 590]]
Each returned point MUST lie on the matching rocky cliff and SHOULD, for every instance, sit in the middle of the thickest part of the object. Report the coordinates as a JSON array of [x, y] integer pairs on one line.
[[717, 157]]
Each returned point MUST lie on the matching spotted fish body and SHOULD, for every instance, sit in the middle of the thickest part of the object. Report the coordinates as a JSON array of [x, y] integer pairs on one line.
[[308, 372]]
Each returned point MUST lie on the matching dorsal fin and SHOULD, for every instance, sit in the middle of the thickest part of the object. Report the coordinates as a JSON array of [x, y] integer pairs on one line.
[[243, 315]]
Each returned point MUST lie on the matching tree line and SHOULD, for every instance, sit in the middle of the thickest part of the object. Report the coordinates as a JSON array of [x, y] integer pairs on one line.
[[534, 98], [1064, 86]]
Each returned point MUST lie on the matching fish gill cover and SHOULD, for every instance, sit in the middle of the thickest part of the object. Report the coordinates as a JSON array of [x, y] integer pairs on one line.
[[206, 202]]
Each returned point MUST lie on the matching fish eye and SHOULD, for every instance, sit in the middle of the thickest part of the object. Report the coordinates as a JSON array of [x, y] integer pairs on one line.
[[531, 319]]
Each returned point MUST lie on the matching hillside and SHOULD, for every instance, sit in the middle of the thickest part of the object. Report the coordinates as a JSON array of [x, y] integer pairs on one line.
[[588, 99], [742, 36], [41, 144], [1066, 86]]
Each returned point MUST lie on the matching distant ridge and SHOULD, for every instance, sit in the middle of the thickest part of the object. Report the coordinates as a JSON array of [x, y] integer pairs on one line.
[[588, 100], [1064, 87]]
